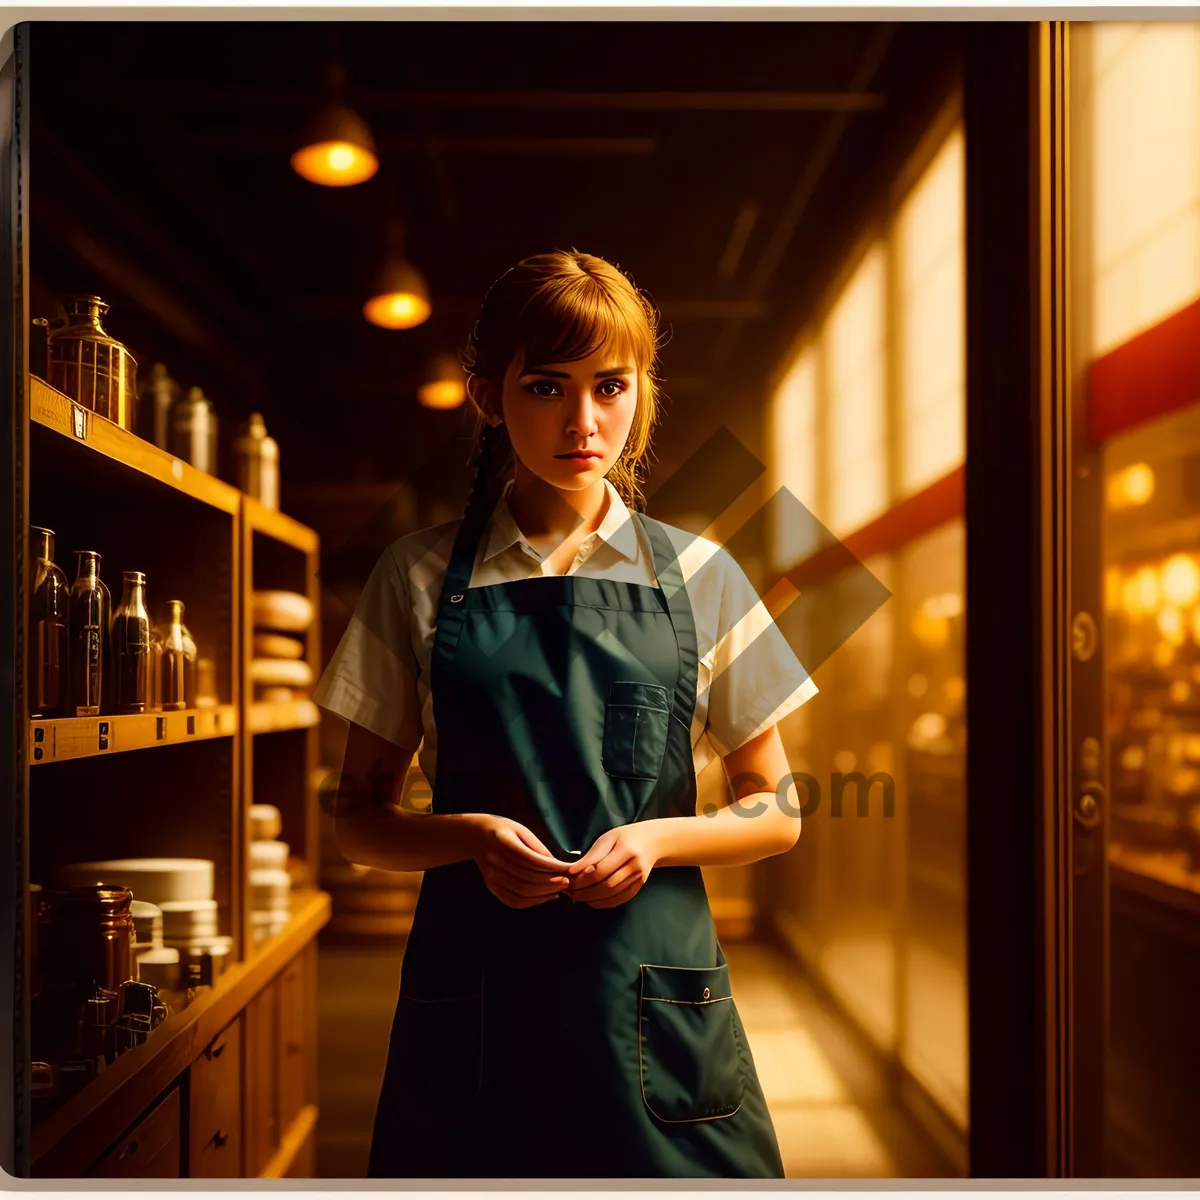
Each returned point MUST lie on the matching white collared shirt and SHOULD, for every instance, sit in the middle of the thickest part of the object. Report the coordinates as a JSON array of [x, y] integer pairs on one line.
[[378, 676]]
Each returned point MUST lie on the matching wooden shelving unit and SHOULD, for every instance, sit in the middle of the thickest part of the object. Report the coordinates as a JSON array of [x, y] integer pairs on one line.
[[226, 1087]]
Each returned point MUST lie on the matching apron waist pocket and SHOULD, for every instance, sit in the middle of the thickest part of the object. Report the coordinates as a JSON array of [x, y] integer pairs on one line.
[[689, 1055]]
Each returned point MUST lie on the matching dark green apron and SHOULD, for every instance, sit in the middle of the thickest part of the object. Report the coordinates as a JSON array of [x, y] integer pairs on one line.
[[563, 1041]]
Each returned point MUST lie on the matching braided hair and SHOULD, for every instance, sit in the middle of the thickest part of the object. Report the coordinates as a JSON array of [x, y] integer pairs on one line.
[[560, 307]]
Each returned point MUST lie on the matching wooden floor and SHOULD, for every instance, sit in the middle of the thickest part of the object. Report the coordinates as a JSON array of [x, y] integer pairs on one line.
[[826, 1096]]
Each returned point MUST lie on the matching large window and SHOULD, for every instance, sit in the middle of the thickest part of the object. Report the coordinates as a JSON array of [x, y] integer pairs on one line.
[[1137, 110], [854, 346], [930, 264]]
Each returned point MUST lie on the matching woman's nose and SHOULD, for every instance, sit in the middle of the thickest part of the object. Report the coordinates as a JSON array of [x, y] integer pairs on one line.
[[581, 419]]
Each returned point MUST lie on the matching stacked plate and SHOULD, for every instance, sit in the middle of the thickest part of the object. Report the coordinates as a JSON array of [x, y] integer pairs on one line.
[[266, 822], [270, 881], [186, 920], [154, 880], [147, 925]]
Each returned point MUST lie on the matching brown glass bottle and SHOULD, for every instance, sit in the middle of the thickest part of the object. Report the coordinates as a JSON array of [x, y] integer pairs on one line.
[[48, 626], [177, 671], [131, 646], [89, 613]]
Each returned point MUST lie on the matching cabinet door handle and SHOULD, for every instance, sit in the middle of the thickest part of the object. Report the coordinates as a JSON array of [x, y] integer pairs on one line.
[[216, 1051], [219, 1139], [128, 1149]]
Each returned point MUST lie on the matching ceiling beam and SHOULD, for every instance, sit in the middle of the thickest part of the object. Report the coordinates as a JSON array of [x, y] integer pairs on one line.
[[242, 100], [256, 143]]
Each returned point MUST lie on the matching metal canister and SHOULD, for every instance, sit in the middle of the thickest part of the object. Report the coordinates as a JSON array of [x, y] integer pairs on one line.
[[92, 368], [89, 938], [194, 431], [258, 462]]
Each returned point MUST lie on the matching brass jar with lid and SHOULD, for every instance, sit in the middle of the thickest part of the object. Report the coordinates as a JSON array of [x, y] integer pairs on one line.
[[89, 366], [89, 937]]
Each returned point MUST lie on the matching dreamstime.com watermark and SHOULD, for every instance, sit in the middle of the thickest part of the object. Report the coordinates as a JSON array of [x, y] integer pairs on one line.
[[339, 794]]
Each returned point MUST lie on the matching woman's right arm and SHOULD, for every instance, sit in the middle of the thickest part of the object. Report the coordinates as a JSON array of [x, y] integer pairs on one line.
[[371, 828]]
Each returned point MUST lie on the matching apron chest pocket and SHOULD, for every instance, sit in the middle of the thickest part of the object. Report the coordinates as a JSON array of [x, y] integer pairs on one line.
[[437, 1049], [688, 1048], [636, 723]]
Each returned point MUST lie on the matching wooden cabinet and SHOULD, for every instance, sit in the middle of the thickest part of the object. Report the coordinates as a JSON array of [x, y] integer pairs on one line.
[[293, 1041], [151, 1150], [215, 1106], [261, 1085]]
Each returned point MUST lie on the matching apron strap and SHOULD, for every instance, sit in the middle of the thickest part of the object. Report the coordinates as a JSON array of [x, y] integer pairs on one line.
[[452, 607], [671, 587]]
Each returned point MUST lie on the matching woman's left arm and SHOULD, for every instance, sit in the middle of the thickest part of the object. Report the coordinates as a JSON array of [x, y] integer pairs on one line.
[[754, 826]]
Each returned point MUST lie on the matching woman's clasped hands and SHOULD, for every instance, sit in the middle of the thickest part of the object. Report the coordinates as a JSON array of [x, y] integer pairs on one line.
[[521, 872]]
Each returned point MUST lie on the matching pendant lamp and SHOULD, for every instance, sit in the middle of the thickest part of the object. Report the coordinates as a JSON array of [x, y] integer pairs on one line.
[[338, 149], [400, 299], [445, 384]]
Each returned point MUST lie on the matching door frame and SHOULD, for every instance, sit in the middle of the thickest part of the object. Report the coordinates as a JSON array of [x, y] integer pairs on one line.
[[1024, 1048]]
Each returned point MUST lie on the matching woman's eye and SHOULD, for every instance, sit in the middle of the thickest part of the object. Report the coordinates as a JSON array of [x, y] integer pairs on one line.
[[616, 384], [533, 388]]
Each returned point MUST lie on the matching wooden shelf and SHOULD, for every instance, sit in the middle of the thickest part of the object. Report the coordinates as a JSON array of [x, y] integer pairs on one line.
[[77, 425], [279, 526], [85, 737], [74, 1136], [296, 714]]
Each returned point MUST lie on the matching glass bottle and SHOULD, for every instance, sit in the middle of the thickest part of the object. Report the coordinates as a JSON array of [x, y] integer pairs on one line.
[[177, 673], [90, 605], [154, 672], [258, 462], [131, 645], [48, 627]]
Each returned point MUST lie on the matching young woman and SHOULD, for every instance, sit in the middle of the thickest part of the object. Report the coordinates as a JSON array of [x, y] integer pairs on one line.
[[567, 665]]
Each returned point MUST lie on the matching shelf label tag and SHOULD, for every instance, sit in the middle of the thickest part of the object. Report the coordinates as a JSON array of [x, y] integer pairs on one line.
[[80, 416]]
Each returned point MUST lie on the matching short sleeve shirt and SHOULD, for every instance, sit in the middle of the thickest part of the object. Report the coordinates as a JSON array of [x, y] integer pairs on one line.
[[378, 677]]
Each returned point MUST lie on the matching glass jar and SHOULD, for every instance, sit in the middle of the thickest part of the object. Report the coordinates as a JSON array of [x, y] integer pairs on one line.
[[89, 366]]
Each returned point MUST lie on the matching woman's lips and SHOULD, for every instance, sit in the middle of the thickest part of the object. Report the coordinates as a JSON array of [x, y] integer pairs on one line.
[[580, 457]]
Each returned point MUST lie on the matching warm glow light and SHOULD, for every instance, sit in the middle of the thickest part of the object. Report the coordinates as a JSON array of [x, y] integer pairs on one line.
[[396, 310], [1149, 594], [1130, 487], [1141, 117], [442, 393], [1181, 580], [1170, 625], [930, 314], [335, 164]]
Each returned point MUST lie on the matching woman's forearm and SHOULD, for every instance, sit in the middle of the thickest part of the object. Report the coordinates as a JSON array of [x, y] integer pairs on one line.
[[373, 829], [387, 837], [746, 831]]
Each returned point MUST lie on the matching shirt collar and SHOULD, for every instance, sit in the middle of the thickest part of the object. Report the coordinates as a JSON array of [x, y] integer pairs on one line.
[[616, 529]]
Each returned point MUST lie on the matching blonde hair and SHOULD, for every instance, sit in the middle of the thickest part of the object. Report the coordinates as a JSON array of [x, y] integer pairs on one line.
[[562, 307]]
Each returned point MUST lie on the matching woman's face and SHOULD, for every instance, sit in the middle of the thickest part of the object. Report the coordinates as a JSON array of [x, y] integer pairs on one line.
[[555, 410]]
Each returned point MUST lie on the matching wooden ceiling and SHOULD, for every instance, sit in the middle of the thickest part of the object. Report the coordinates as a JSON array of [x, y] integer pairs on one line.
[[726, 165]]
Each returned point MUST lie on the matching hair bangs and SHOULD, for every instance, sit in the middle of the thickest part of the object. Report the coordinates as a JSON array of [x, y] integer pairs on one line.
[[575, 322]]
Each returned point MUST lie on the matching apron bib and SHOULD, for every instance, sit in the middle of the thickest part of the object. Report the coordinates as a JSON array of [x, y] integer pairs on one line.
[[562, 1041]]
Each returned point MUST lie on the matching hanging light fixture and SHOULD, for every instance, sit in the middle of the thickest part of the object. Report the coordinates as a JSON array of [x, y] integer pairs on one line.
[[445, 384], [400, 299], [338, 149]]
